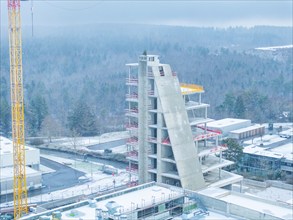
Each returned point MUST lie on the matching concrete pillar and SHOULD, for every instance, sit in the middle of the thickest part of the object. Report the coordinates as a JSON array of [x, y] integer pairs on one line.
[[142, 119]]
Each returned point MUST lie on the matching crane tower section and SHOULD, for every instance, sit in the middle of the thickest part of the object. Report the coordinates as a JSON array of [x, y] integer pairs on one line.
[[17, 109]]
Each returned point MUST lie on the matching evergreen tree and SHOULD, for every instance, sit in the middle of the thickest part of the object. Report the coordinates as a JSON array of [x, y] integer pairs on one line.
[[82, 120], [36, 113], [239, 108], [5, 116], [229, 103], [234, 152]]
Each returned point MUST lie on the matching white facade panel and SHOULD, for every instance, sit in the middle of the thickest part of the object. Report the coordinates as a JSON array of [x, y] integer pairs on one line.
[[32, 155]]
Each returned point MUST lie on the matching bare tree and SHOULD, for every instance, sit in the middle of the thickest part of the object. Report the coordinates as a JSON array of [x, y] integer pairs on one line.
[[50, 128]]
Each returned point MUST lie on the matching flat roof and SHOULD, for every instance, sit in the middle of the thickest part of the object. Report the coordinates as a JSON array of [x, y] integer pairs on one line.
[[259, 205], [241, 130], [286, 150], [143, 197], [226, 122], [265, 140], [126, 201], [249, 202], [6, 146], [7, 172], [262, 152]]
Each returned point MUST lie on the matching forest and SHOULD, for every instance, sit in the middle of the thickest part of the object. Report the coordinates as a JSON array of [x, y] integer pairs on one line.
[[74, 77]]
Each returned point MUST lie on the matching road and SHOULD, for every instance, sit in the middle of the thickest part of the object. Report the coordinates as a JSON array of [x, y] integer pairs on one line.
[[64, 177]]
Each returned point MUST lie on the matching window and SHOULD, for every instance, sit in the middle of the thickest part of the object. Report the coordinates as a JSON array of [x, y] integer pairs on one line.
[[161, 70]]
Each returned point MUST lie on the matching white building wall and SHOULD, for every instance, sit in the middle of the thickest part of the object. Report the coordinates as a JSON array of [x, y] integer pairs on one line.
[[34, 180], [32, 158]]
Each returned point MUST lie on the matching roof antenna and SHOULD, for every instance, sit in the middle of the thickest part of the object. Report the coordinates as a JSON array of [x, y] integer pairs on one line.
[[32, 13]]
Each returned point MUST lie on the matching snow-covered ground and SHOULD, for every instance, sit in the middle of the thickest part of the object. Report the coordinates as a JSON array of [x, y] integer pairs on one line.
[[97, 180], [86, 141], [82, 143]]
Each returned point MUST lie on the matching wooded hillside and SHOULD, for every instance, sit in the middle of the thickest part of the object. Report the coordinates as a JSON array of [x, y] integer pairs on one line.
[[74, 78]]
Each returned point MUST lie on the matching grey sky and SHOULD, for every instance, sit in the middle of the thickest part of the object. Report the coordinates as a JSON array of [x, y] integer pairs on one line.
[[185, 13]]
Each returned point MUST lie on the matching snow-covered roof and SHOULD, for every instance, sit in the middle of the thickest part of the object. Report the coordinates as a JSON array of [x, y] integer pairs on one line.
[[286, 150], [7, 172], [265, 140], [226, 122], [250, 202], [241, 130], [252, 149], [259, 205], [142, 197], [125, 201], [6, 146]]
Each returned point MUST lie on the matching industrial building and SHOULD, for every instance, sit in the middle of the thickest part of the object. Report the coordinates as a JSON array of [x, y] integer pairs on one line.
[[153, 201], [32, 159], [227, 125], [170, 141]]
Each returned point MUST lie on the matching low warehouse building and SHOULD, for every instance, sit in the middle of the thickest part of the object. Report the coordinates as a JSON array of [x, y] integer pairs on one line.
[[32, 159], [228, 124]]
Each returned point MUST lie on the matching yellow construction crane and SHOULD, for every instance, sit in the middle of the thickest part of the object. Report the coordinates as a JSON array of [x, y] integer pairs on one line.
[[17, 109]]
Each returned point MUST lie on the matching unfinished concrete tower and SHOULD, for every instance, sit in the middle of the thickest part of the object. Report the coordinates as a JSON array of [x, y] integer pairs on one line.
[[169, 139], [166, 149]]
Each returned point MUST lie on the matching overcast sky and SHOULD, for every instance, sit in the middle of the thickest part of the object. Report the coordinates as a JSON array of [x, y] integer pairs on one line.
[[182, 13]]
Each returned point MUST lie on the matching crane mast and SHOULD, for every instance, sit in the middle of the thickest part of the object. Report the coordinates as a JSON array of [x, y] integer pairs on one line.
[[17, 109]]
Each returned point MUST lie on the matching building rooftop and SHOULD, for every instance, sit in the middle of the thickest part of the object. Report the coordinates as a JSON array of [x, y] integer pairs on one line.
[[249, 202], [252, 149], [7, 172], [6, 146], [259, 205], [265, 140], [123, 201], [286, 150], [226, 122]]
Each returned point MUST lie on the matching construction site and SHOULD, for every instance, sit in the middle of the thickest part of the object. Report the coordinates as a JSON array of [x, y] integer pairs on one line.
[[172, 168]]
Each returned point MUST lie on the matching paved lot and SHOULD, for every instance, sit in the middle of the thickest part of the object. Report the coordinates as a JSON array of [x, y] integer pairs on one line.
[[64, 177]]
